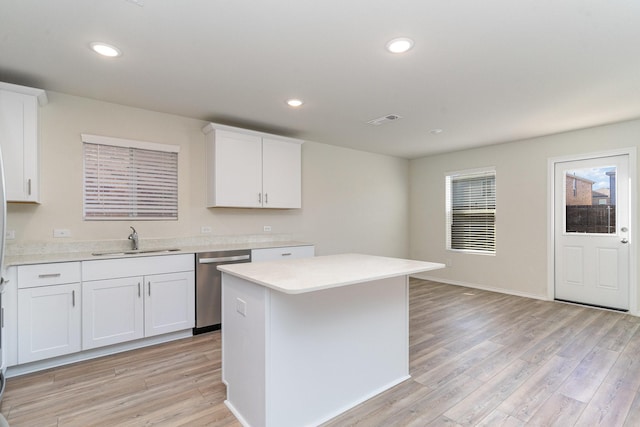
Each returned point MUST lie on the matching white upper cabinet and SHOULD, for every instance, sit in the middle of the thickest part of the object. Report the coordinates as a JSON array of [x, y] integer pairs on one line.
[[19, 140], [248, 169]]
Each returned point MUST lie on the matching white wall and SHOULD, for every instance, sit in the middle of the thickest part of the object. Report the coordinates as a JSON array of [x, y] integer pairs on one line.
[[520, 264], [352, 201]]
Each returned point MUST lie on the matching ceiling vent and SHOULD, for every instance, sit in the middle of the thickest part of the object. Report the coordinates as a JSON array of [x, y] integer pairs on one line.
[[384, 119]]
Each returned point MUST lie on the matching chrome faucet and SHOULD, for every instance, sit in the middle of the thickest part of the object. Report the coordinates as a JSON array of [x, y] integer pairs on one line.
[[134, 239]]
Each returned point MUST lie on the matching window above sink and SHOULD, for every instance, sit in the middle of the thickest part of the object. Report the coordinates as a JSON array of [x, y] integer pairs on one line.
[[126, 179]]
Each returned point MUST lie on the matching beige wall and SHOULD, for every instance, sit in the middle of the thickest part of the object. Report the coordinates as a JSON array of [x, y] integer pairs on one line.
[[520, 264], [352, 201]]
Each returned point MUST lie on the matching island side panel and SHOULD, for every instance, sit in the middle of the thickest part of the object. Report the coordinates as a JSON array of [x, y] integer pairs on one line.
[[243, 348], [330, 350]]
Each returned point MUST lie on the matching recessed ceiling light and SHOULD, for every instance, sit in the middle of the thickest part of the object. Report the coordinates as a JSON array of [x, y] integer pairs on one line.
[[294, 102], [399, 45], [105, 49]]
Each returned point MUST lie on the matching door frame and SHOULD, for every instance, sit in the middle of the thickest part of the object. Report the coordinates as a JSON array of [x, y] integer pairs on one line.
[[551, 164]]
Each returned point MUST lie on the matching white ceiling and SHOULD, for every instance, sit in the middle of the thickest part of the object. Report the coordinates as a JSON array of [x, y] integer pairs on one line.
[[483, 71]]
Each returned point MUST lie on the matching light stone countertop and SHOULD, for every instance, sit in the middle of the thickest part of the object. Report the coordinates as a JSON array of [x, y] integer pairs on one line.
[[296, 276], [59, 256]]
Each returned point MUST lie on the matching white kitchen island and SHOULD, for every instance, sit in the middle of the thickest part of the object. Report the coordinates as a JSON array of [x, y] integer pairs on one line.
[[304, 340]]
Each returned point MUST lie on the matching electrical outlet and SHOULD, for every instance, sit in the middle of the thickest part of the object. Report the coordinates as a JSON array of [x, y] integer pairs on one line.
[[10, 234], [205, 229], [267, 228], [61, 232], [241, 306]]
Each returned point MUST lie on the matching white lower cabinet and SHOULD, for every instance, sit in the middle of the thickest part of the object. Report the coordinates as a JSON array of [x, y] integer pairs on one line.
[[159, 299], [49, 319]]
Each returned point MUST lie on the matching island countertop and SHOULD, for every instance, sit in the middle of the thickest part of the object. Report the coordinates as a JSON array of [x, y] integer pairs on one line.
[[296, 276]]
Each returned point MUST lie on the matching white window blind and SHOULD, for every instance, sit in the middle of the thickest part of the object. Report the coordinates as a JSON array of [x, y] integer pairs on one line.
[[129, 180], [471, 211]]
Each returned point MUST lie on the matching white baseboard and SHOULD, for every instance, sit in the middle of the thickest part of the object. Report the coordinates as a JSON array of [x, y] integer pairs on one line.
[[481, 287], [504, 291], [13, 371]]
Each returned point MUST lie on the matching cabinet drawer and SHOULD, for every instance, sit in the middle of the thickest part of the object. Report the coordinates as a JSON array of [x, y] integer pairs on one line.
[[31, 276], [288, 252]]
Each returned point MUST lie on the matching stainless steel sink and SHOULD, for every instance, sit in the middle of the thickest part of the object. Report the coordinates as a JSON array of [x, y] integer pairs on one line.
[[135, 252]]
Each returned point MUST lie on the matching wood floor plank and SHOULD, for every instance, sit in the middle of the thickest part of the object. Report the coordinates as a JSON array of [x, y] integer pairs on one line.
[[392, 402], [500, 419], [527, 399], [590, 373], [596, 328], [626, 370], [458, 365], [621, 332], [471, 410], [609, 406], [633, 417], [428, 408], [558, 411]]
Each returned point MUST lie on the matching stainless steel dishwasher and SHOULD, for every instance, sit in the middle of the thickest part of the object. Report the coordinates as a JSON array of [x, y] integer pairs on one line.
[[209, 286]]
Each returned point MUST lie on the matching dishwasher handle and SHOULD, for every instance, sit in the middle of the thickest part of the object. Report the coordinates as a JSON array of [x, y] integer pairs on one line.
[[224, 259]]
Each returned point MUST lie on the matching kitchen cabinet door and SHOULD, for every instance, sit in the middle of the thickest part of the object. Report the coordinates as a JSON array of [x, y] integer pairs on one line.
[[169, 303], [112, 311], [281, 174], [234, 170], [19, 142], [48, 321]]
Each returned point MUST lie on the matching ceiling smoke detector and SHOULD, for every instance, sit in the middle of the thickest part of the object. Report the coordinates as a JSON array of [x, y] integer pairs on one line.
[[384, 119]]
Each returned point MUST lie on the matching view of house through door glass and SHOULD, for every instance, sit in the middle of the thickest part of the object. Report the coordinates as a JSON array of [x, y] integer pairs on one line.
[[592, 231]]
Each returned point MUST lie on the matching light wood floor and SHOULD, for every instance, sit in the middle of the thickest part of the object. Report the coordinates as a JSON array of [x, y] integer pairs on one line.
[[477, 358]]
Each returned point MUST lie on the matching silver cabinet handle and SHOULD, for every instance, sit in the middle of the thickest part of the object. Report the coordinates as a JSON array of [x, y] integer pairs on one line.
[[73, 298], [624, 240], [286, 254], [48, 275], [138, 289], [29, 186], [149, 285], [260, 198], [266, 198], [223, 259]]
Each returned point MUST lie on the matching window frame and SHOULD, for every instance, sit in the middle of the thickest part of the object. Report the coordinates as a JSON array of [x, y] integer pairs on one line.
[[145, 160], [470, 174]]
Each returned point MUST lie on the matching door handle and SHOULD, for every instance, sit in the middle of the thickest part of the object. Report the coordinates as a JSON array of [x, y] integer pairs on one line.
[[624, 240]]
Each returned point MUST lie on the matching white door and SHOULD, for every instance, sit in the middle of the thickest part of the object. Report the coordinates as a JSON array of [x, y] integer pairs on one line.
[[592, 231]]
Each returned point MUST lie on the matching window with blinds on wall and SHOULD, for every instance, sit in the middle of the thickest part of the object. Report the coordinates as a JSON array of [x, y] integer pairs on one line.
[[471, 211], [125, 179]]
